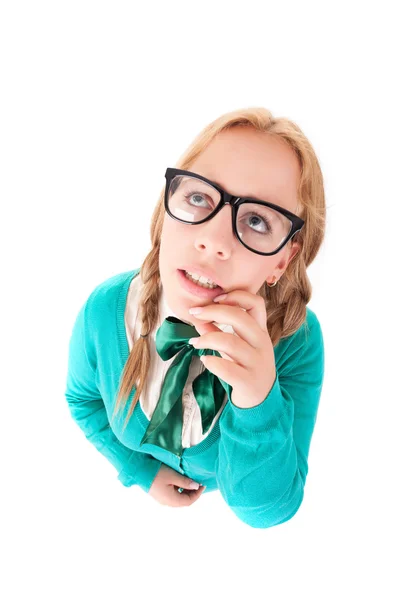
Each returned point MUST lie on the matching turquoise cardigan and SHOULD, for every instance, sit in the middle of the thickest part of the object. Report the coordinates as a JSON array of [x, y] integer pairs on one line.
[[256, 457]]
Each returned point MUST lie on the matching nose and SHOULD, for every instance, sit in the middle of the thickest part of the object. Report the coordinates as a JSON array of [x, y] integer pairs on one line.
[[216, 235]]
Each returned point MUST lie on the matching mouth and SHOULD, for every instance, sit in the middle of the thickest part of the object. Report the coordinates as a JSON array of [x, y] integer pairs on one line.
[[202, 275], [198, 288]]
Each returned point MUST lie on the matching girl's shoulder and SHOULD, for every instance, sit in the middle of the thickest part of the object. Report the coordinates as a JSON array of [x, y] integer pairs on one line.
[[108, 291], [312, 322], [307, 341], [310, 332], [108, 299], [104, 308]]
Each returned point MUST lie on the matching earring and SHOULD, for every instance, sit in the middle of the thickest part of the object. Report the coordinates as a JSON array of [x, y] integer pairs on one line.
[[272, 284]]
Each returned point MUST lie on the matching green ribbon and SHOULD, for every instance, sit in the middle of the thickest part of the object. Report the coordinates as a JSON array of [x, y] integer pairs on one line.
[[165, 427]]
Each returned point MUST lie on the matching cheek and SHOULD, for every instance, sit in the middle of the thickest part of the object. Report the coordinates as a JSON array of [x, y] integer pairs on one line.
[[260, 274], [171, 228], [173, 240]]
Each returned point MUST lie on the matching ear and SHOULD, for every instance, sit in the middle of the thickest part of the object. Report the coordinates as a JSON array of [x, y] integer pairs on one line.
[[293, 251], [285, 260]]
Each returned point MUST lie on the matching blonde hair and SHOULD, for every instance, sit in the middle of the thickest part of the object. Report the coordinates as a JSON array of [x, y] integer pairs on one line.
[[286, 302]]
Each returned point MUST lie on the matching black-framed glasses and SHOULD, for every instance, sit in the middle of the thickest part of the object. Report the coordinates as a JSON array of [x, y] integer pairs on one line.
[[262, 227]]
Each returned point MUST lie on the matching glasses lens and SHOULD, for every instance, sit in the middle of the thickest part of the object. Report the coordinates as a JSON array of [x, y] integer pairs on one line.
[[191, 199], [261, 228]]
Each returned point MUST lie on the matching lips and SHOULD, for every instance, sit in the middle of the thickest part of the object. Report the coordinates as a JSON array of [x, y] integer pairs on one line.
[[196, 290], [204, 272]]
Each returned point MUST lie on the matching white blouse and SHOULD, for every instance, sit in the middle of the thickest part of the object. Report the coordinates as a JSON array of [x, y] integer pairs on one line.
[[192, 428]]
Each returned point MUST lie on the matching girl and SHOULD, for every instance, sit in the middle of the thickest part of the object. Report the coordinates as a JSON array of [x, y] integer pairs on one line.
[[205, 363]]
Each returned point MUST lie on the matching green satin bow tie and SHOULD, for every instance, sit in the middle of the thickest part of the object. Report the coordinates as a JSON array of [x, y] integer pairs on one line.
[[165, 427]]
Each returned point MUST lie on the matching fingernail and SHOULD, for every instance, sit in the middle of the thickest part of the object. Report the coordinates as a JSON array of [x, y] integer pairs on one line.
[[221, 297], [193, 341], [195, 310], [193, 485]]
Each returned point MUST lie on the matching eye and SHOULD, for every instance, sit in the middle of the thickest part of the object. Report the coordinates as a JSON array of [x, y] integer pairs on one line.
[[262, 218], [194, 194]]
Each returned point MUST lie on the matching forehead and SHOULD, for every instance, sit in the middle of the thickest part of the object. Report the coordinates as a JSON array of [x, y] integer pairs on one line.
[[251, 163]]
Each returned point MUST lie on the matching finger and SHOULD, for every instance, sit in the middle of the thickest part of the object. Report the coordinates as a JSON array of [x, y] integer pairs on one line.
[[187, 497], [246, 325], [253, 304], [182, 481], [205, 327], [230, 372], [230, 347]]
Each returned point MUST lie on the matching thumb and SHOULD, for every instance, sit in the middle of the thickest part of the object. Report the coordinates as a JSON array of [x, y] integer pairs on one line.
[[185, 482], [205, 327]]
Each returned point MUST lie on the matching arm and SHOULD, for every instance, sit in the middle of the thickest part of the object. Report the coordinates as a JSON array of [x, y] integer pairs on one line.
[[263, 452], [88, 410]]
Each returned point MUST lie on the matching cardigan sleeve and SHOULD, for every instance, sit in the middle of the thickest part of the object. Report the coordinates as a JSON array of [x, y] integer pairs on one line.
[[88, 411], [262, 463]]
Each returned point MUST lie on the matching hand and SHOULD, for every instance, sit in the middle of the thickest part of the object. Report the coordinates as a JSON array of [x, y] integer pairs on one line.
[[248, 362], [165, 486]]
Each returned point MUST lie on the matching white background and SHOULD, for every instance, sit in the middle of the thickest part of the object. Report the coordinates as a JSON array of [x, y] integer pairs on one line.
[[97, 99]]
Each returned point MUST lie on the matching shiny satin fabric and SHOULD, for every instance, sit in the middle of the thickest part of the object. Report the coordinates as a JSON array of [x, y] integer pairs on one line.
[[165, 427]]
